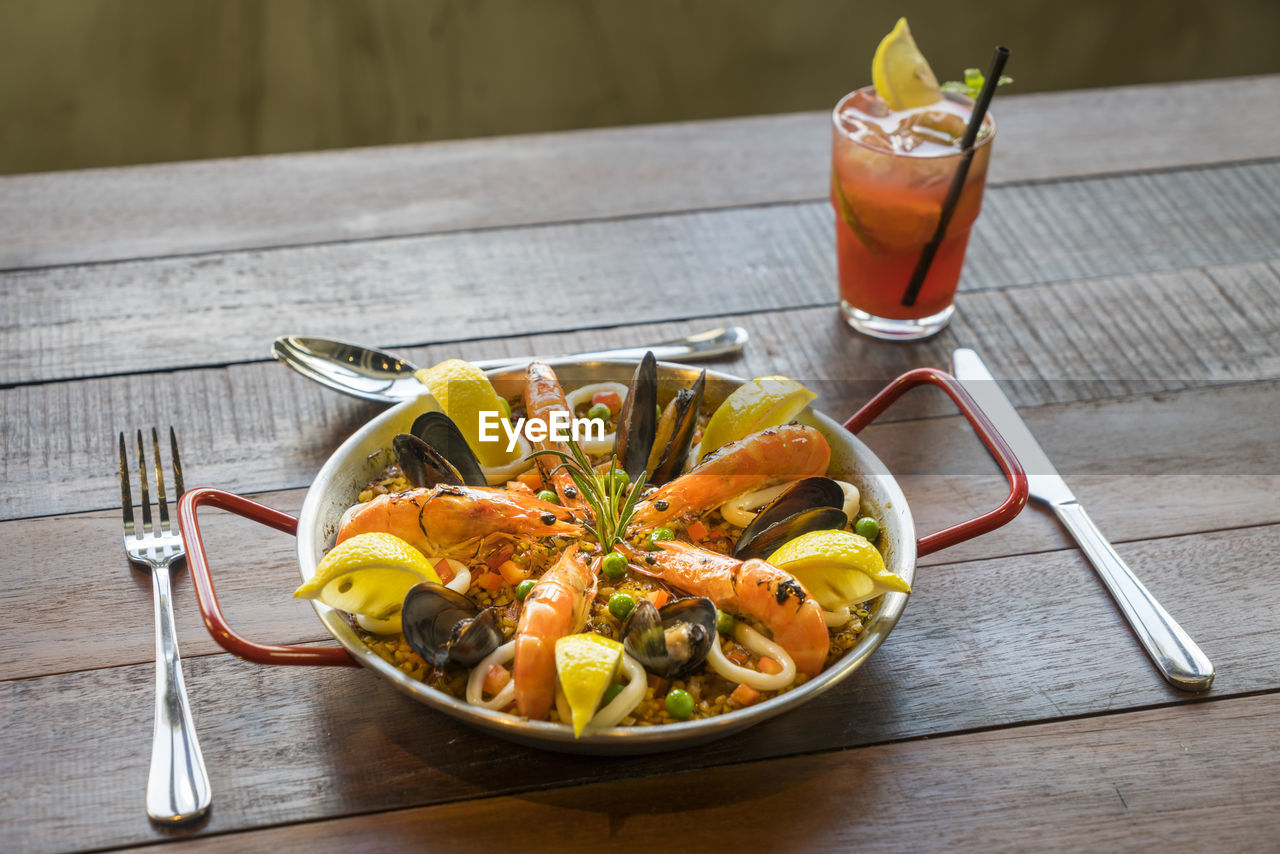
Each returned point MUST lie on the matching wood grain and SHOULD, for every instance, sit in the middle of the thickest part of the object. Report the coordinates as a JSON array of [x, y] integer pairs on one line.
[[1098, 784], [96, 320], [250, 203], [982, 644]]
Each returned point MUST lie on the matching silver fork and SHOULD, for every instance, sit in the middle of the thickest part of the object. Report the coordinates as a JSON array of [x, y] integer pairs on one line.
[[178, 785]]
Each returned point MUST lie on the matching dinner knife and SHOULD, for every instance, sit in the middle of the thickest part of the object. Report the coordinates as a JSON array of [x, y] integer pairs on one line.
[[1175, 655]]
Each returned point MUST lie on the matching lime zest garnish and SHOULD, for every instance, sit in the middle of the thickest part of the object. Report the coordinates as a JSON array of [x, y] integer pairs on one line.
[[972, 84]]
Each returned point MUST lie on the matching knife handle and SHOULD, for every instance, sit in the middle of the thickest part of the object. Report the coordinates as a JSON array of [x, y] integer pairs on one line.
[[1175, 654]]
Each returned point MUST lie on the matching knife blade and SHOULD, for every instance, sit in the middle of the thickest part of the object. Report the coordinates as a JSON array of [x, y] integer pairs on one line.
[[1182, 663]]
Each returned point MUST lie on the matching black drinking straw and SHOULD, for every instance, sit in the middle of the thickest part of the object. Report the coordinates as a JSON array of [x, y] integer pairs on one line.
[[962, 172]]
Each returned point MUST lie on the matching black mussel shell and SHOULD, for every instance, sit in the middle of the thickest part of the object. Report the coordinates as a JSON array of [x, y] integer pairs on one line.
[[809, 504], [637, 418], [445, 627], [439, 431], [422, 464], [674, 434], [673, 641]]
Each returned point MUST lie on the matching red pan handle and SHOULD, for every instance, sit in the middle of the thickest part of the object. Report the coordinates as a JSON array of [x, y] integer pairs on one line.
[[986, 431], [208, 600]]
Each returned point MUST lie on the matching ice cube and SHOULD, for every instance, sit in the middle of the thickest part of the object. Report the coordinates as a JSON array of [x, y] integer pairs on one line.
[[929, 126], [867, 103]]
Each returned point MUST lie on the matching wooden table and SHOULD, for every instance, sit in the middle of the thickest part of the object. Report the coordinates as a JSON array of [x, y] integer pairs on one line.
[[1124, 278]]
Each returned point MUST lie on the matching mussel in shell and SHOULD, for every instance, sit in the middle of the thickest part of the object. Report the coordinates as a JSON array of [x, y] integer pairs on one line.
[[653, 444], [672, 641], [434, 452], [674, 434], [637, 418], [809, 504], [445, 627]]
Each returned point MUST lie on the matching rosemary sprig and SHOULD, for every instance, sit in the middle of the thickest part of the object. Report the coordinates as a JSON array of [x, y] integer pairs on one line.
[[611, 503]]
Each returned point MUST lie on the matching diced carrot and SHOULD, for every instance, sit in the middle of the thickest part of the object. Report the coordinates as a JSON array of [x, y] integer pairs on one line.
[[768, 665], [658, 684], [496, 677], [445, 570], [512, 572], [490, 581], [518, 486], [531, 478], [658, 598], [610, 399], [697, 531], [738, 655], [500, 555], [745, 695]]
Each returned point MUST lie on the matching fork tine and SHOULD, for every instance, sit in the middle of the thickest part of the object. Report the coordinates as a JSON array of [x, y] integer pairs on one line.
[[126, 497], [177, 465], [147, 526], [162, 502]]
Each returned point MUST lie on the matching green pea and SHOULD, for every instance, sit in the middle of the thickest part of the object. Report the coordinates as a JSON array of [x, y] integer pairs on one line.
[[613, 566], [523, 588], [504, 408], [599, 411], [609, 693], [660, 535], [549, 495], [867, 527], [724, 623], [621, 605], [679, 704], [620, 480]]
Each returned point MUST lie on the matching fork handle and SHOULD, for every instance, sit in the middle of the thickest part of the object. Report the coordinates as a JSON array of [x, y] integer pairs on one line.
[[178, 785]]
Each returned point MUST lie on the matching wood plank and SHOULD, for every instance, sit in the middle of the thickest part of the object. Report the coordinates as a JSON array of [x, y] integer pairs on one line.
[[983, 644], [249, 203], [1098, 784], [95, 320], [257, 427]]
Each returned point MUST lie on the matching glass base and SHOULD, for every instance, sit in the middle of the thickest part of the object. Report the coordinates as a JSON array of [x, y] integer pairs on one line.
[[895, 329]]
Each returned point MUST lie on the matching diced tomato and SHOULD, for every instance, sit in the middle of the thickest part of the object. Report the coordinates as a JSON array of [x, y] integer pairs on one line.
[[490, 581], [518, 486], [444, 570], [658, 684], [738, 655], [512, 572], [658, 598], [697, 531], [745, 695], [610, 399], [768, 665], [500, 555], [494, 680], [531, 478]]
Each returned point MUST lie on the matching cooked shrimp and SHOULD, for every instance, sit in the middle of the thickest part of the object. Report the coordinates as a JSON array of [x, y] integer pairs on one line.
[[543, 396], [557, 606], [442, 519], [751, 588], [775, 455]]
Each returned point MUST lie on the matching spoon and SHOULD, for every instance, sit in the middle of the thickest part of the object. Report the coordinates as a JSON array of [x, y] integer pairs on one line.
[[377, 375]]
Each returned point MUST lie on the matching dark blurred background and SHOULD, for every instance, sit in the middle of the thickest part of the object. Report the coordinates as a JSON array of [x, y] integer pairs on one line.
[[106, 82]]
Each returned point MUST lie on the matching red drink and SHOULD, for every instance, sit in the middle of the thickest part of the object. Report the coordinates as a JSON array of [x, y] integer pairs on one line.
[[890, 173]]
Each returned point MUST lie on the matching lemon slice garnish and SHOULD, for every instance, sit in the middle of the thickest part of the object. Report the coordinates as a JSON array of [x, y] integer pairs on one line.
[[586, 665], [838, 568], [463, 392], [762, 403], [901, 74], [369, 575]]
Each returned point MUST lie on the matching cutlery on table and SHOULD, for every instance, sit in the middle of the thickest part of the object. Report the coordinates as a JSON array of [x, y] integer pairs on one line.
[[1176, 656], [377, 375], [178, 784]]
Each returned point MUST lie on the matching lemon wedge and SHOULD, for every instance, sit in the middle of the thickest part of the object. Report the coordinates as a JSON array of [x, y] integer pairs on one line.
[[463, 392], [901, 74], [762, 403], [838, 568], [586, 664], [369, 575]]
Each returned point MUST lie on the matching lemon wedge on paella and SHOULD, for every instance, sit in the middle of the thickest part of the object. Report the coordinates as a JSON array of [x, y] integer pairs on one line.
[[754, 406], [463, 392], [586, 664], [369, 575], [838, 568], [901, 74]]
